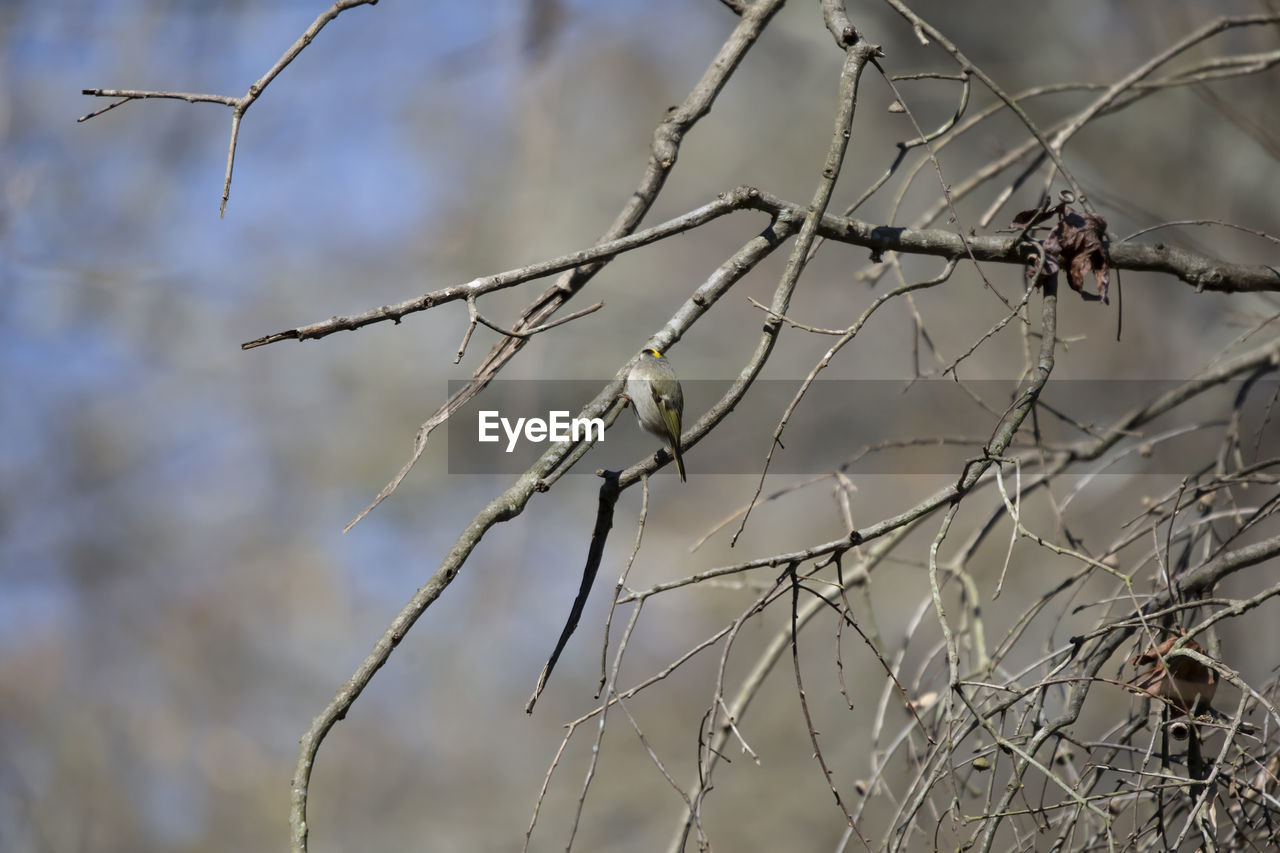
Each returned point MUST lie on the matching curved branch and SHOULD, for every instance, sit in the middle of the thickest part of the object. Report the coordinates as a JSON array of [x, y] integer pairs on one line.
[[505, 507], [1202, 272], [238, 105], [736, 199]]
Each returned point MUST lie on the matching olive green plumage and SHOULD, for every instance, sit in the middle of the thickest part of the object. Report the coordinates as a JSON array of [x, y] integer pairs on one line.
[[655, 391]]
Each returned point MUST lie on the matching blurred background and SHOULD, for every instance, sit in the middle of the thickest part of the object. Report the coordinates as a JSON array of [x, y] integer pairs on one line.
[[177, 598]]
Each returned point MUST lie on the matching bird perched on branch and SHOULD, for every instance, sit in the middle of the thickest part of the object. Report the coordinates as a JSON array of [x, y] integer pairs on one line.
[[652, 387]]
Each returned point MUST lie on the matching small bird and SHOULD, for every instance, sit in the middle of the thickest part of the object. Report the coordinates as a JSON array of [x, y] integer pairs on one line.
[[652, 387], [1186, 684]]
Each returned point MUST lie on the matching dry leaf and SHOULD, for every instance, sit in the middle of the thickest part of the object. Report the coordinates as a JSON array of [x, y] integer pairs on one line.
[[1184, 683], [1076, 242]]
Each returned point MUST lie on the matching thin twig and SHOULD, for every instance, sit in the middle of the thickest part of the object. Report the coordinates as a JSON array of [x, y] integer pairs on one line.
[[239, 105]]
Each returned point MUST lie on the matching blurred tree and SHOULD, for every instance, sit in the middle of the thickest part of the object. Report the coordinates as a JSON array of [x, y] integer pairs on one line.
[[977, 533]]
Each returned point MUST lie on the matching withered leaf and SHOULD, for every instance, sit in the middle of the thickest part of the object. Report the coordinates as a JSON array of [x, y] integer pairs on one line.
[[1077, 243], [1184, 683], [1084, 248]]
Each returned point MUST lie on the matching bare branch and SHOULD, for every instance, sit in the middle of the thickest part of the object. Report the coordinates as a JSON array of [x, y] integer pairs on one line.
[[238, 105]]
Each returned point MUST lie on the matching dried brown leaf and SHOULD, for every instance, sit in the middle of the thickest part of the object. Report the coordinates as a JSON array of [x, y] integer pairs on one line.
[[1077, 243], [1182, 682]]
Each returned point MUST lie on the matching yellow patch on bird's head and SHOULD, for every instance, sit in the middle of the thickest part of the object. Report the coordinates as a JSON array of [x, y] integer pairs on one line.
[[653, 352]]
